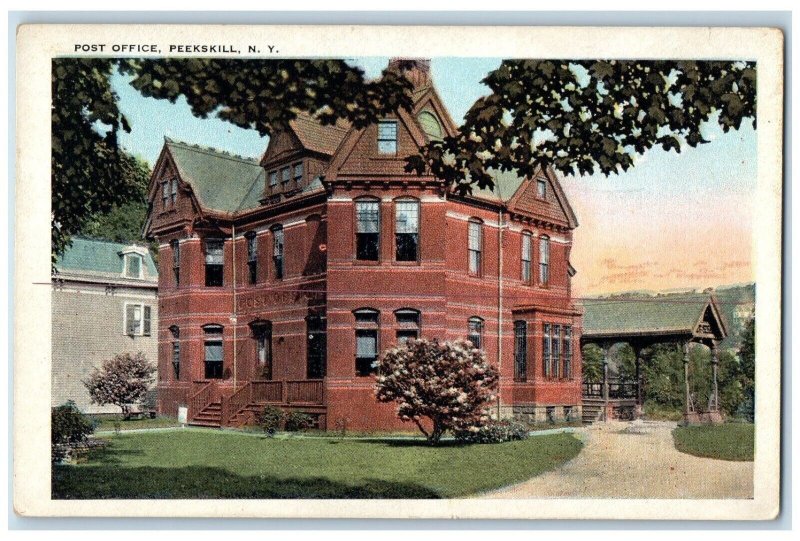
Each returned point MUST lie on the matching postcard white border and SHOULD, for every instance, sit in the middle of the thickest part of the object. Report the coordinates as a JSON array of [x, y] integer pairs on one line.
[[37, 44]]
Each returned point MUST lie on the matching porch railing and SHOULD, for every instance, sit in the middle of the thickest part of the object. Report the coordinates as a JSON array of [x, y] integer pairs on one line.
[[616, 389], [207, 394], [267, 391], [308, 391]]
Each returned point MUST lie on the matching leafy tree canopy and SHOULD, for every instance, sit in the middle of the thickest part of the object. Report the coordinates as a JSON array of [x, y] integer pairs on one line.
[[122, 381], [578, 116]]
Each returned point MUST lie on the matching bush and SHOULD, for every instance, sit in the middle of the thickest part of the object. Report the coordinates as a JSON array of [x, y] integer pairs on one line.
[[493, 432], [297, 421], [122, 381], [68, 428], [271, 419]]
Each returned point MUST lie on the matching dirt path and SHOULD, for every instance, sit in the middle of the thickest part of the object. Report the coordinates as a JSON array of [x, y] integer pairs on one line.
[[636, 460]]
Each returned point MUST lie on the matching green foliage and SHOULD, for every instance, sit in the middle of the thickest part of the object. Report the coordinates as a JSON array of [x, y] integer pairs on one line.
[[68, 427], [592, 363], [493, 432], [582, 116], [90, 174], [271, 419], [747, 360], [297, 421], [122, 381], [125, 220], [730, 441]]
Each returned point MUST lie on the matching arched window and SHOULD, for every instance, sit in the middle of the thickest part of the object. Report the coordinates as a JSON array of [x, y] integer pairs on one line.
[[430, 125], [475, 332], [407, 324], [368, 229], [406, 230], [367, 327], [475, 246], [213, 351], [526, 256], [544, 260], [176, 351]]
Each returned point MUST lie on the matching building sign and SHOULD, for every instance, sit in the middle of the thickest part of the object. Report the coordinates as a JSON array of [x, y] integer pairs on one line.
[[277, 298]]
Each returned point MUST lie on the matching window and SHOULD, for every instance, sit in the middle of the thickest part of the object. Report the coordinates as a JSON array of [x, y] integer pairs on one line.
[[475, 247], [406, 231], [133, 266], [366, 341], [526, 256], [277, 250], [567, 352], [262, 334], [137, 319], [214, 262], [315, 347], [555, 358], [368, 230], [176, 352], [475, 334], [408, 325], [213, 351], [174, 191], [298, 173], [286, 174], [176, 260], [520, 351], [273, 179], [252, 257], [387, 137], [541, 188], [547, 351], [544, 260], [165, 193]]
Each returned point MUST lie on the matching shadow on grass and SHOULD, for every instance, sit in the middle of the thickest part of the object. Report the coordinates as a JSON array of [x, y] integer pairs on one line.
[[199, 482]]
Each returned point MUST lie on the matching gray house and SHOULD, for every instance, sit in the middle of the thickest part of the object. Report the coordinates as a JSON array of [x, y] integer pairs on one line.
[[105, 302]]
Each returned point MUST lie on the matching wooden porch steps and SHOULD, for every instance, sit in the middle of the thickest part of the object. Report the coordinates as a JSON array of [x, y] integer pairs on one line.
[[210, 416]]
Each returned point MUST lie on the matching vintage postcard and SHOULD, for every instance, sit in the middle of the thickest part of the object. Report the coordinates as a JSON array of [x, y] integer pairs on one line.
[[398, 272]]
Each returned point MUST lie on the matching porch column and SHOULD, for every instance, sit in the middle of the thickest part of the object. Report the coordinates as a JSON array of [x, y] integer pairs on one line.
[[639, 410], [715, 372], [687, 397], [605, 348]]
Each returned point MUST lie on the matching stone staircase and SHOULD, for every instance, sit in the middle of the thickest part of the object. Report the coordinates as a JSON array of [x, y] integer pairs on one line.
[[592, 411]]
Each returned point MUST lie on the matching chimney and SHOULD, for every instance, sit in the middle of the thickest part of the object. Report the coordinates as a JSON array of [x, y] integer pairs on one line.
[[416, 70]]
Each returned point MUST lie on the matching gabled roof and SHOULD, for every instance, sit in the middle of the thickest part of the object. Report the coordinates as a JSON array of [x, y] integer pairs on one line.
[[316, 137], [220, 181], [102, 258], [506, 184], [642, 316]]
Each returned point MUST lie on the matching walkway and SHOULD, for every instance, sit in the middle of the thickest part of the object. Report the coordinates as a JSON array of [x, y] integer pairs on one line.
[[636, 460]]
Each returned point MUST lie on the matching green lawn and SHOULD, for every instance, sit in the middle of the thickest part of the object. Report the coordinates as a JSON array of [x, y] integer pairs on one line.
[[205, 464], [730, 441], [109, 423]]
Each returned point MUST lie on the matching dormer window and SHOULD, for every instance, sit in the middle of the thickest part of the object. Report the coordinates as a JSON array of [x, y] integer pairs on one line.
[[133, 266], [541, 188], [387, 137]]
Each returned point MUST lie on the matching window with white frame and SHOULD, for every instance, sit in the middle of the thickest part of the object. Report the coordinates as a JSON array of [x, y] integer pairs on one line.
[[475, 247], [475, 334], [541, 188], [133, 265], [406, 230], [387, 137], [367, 326], [407, 325], [137, 319], [526, 256], [368, 230], [544, 260]]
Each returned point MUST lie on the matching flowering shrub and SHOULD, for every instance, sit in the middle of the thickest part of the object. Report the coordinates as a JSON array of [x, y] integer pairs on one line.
[[438, 385], [122, 381], [493, 432]]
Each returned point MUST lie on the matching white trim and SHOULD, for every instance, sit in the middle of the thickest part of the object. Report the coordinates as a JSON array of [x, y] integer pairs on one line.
[[142, 307], [128, 254]]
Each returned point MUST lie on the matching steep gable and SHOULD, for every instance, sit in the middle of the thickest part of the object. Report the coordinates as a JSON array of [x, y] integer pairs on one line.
[[553, 206]]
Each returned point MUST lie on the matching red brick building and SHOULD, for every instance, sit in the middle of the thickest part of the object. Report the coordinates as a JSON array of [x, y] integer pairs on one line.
[[282, 280]]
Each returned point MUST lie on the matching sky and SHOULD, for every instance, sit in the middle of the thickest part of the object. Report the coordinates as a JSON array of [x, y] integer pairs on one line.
[[673, 221]]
